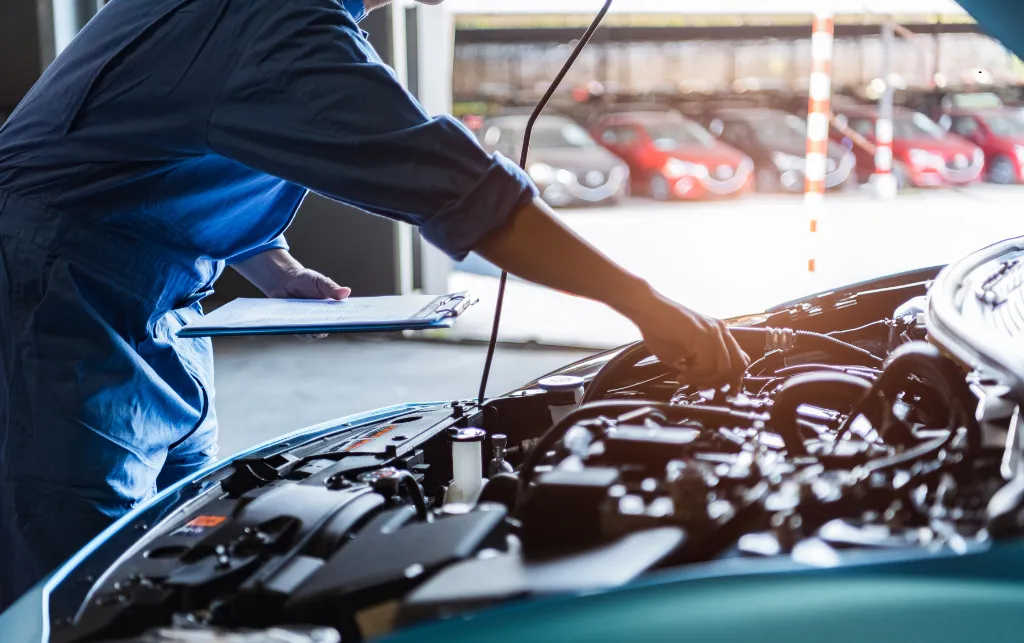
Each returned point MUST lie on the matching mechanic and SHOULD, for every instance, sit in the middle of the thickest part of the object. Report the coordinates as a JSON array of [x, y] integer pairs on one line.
[[172, 138]]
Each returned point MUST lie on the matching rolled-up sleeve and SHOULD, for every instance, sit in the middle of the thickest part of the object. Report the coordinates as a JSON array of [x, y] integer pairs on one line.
[[310, 102], [278, 243]]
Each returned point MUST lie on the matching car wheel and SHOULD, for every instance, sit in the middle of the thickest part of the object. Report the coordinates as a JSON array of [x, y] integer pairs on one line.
[[766, 181], [659, 189], [1002, 171], [902, 176]]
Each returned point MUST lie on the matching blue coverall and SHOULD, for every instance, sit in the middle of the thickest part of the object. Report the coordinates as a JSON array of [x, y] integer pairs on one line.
[[172, 137]]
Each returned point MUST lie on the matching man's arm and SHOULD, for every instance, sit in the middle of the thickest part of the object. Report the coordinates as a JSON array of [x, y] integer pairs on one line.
[[534, 245], [355, 135], [277, 273]]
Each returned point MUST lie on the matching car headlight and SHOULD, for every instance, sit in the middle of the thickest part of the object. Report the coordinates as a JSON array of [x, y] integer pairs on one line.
[[921, 157], [1018, 151], [979, 155], [675, 168], [541, 172], [786, 162], [565, 176]]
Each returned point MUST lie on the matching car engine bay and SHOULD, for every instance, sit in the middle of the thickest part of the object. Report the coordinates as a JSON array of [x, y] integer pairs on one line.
[[878, 418]]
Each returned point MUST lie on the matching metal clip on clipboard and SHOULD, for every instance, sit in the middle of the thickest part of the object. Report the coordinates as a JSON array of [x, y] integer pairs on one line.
[[454, 305]]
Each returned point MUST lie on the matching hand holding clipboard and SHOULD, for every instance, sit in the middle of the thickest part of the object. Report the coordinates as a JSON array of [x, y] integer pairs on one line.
[[318, 316]]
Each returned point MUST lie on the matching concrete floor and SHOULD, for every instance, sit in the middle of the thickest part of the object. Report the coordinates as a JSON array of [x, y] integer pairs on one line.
[[270, 386]]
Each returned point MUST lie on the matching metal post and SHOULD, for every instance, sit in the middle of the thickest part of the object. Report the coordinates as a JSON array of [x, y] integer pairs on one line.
[[884, 181], [818, 112]]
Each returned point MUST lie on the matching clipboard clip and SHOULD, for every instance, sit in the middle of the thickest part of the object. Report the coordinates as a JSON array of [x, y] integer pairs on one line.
[[454, 305]]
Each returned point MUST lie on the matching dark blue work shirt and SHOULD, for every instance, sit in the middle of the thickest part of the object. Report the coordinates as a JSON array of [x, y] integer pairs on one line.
[[172, 136], [198, 125]]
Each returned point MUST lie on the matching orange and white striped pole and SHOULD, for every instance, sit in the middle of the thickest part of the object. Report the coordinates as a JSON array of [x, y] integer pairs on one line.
[[818, 113]]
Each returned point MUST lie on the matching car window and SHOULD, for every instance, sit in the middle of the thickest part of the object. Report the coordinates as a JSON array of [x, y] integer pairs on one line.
[[777, 130], [672, 134], [619, 135], [1009, 124], [863, 126], [559, 133], [499, 139], [916, 126], [964, 126], [736, 132]]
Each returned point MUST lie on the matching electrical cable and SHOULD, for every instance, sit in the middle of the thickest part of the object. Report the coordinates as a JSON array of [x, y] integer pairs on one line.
[[503, 280], [859, 329]]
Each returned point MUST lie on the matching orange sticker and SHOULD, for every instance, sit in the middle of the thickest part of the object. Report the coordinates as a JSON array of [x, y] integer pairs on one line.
[[370, 439], [206, 521]]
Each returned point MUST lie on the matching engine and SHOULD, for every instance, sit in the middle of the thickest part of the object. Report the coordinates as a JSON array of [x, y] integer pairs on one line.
[[840, 439]]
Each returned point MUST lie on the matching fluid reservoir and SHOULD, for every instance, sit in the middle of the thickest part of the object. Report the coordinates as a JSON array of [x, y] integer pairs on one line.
[[564, 394], [467, 466]]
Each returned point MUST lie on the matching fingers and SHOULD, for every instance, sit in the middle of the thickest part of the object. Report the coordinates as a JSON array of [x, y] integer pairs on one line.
[[311, 338], [328, 289], [716, 358], [737, 358]]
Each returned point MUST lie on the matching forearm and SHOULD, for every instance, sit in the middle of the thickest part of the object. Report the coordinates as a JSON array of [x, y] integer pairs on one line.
[[268, 269], [534, 245]]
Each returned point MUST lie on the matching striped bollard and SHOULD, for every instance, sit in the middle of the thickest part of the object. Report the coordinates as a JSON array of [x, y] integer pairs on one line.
[[818, 112]]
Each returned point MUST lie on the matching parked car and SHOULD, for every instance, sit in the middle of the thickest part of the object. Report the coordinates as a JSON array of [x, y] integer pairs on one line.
[[671, 157], [1000, 135], [858, 471], [777, 143], [924, 154], [565, 162]]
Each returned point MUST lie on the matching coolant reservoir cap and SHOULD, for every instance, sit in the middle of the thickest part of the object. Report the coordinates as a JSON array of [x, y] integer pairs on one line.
[[561, 383], [469, 435]]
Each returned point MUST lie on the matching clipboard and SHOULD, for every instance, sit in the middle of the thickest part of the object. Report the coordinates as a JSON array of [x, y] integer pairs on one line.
[[318, 316]]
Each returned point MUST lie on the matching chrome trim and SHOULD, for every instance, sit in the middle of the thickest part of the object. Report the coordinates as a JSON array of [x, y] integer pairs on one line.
[[733, 183], [964, 175], [611, 187], [842, 171]]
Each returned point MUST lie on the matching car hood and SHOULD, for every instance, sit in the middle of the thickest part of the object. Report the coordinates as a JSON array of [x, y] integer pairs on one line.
[[799, 148], [577, 159], [945, 146], [718, 154]]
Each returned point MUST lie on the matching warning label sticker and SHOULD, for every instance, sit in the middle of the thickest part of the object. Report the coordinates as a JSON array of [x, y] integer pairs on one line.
[[199, 524]]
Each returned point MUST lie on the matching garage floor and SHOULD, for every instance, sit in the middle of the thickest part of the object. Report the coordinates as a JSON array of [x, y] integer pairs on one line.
[[270, 386]]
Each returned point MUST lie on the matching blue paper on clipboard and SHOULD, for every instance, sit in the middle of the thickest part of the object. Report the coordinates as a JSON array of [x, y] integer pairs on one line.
[[315, 316]]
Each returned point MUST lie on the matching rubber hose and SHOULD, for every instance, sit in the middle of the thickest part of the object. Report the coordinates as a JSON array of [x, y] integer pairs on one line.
[[630, 355], [807, 337], [924, 361], [825, 389]]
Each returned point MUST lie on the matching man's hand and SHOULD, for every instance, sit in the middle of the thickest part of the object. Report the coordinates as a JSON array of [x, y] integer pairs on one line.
[[304, 283], [534, 245], [279, 275], [698, 346]]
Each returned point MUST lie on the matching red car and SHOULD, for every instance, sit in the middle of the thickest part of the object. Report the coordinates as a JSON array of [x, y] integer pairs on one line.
[[1000, 134], [923, 154], [672, 157]]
